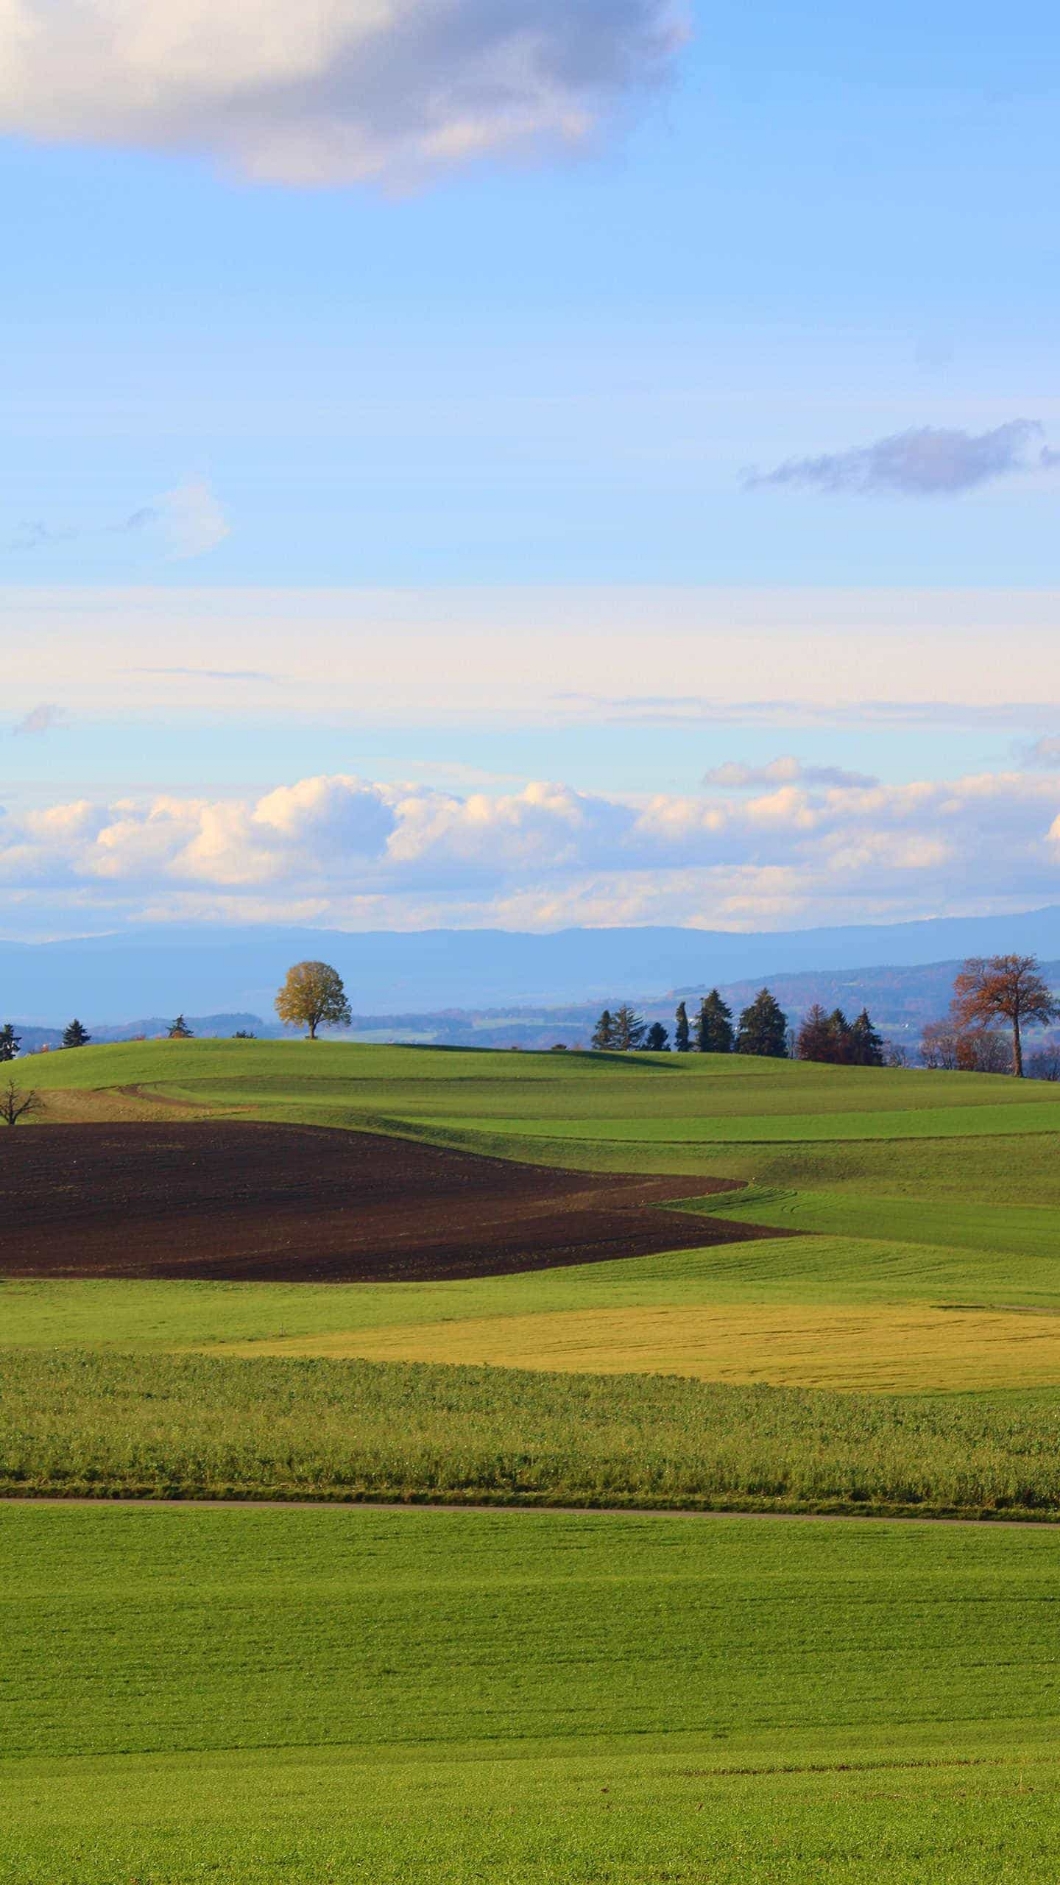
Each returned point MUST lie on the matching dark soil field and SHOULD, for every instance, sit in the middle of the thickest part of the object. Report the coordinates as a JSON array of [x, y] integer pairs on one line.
[[231, 1201]]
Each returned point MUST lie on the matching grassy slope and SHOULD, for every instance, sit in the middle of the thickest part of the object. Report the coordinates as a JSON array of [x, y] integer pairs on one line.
[[358, 1696], [922, 1189]]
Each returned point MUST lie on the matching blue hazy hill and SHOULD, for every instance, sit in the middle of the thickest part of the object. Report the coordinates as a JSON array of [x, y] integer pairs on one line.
[[206, 970]]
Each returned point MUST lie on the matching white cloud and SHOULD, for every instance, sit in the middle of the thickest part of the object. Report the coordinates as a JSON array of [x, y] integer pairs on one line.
[[331, 91], [191, 519], [354, 852]]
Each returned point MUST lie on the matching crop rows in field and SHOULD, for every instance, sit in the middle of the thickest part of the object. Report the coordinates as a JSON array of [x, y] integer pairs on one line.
[[212, 1427]]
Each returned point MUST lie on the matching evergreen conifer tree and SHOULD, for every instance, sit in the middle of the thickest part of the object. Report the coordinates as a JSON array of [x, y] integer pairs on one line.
[[714, 1031], [628, 1027], [681, 1040], [75, 1035], [763, 1028], [604, 1033], [10, 1042], [866, 1045], [179, 1030], [657, 1041]]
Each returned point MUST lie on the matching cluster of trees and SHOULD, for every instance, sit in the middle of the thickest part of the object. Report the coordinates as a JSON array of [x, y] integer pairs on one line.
[[621, 1032], [762, 1029], [842, 1043], [1009, 990]]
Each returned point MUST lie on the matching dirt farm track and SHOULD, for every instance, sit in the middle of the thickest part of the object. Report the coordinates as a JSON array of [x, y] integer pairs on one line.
[[235, 1201]]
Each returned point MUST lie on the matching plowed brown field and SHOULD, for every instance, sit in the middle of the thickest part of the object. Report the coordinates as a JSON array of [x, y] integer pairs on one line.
[[233, 1201]]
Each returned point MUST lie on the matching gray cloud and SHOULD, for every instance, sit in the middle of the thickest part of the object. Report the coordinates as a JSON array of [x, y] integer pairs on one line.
[[927, 461], [360, 90], [42, 718], [736, 777]]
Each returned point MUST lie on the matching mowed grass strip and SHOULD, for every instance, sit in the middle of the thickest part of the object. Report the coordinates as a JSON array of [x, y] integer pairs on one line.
[[532, 1698], [884, 1349], [207, 1427]]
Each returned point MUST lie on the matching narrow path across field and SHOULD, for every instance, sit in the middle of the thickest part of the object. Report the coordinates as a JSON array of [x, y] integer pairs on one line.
[[483, 1509], [225, 1200]]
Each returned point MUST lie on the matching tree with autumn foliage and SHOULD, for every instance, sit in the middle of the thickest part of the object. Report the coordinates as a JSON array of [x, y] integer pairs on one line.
[[313, 997], [1004, 988]]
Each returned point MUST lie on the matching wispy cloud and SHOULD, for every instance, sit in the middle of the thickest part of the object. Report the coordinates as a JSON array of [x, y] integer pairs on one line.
[[353, 91], [928, 461], [735, 777], [185, 522], [36, 535], [139, 520], [41, 719], [213, 674], [692, 710], [1044, 753]]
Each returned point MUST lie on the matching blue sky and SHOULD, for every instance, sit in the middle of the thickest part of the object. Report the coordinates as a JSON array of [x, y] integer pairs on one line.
[[230, 364]]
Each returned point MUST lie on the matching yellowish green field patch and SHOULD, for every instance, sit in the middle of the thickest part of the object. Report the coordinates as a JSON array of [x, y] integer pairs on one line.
[[885, 1349]]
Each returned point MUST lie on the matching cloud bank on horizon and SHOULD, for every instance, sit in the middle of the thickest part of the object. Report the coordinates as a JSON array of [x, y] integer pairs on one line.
[[350, 852], [926, 461], [337, 92]]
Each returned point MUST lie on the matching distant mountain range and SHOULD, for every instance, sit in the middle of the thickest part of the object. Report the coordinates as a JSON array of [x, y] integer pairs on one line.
[[428, 974]]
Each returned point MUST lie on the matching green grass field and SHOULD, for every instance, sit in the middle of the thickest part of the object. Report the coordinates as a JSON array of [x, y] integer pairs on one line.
[[238, 1695], [247, 1695]]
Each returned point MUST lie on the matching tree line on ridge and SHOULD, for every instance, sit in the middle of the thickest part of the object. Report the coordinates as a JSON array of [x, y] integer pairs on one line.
[[761, 1029]]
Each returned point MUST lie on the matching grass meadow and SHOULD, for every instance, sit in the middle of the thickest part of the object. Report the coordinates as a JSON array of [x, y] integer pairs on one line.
[[249, 1695], [215, 1691]]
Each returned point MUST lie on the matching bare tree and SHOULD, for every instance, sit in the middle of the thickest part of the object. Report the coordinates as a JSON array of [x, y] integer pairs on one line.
[[945, 1046], [938, 1047], [16, 1103], [1008, 988], [1045, 1064], [895, 1055]]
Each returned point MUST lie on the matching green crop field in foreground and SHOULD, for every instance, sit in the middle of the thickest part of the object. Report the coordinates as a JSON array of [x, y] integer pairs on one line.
[[538, 1698], [245, 1696]]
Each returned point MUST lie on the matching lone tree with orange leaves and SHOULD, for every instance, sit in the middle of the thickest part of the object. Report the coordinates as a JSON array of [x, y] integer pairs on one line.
[[1007, 988], [313, 997]]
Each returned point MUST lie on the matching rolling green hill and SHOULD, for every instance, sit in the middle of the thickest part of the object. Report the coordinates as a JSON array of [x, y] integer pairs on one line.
[[542, 1697]]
